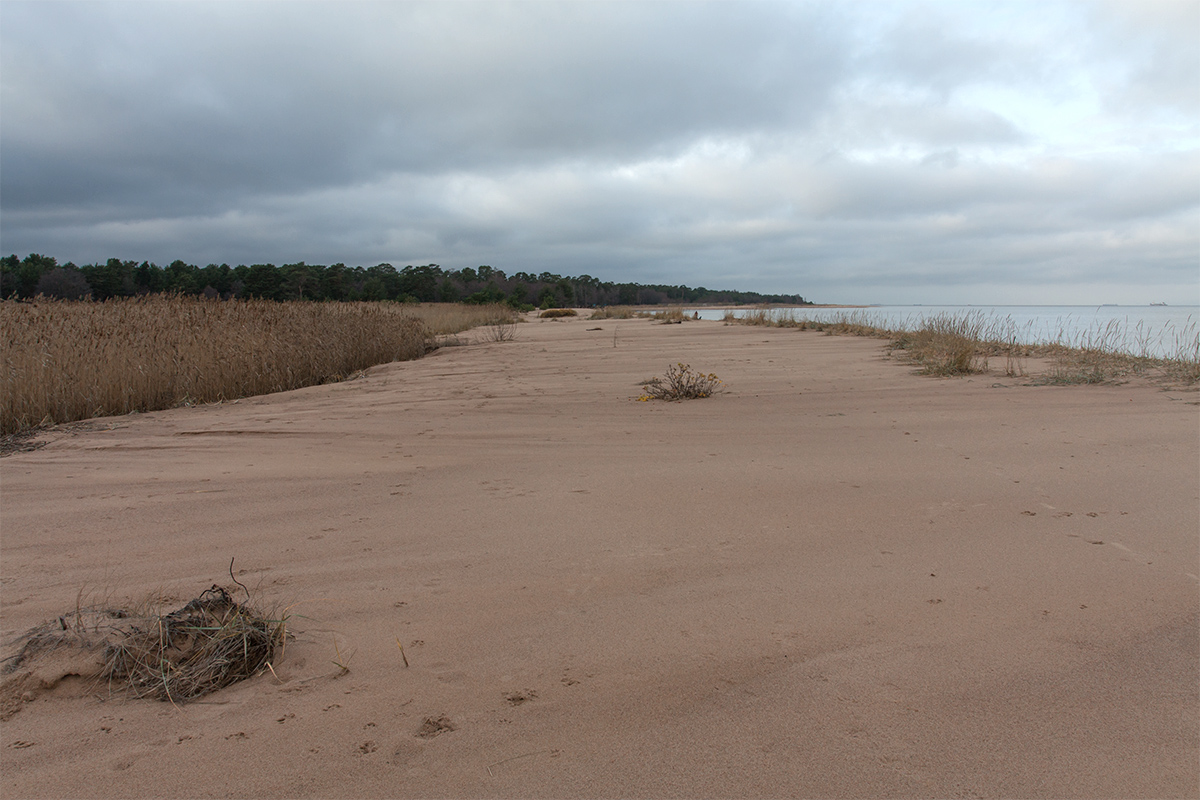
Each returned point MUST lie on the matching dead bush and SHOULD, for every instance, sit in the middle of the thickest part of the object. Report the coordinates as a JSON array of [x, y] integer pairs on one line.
[[682, 383]]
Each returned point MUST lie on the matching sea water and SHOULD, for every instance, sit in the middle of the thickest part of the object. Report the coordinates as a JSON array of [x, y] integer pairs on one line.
[[1159, 331]]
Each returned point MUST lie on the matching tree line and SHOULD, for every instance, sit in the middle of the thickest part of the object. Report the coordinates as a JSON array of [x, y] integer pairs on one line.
[[42, 275]]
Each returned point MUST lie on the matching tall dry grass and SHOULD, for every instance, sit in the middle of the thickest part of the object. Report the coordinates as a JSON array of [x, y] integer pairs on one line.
[[947, 344], [673, 314], [614, 312], [961, 344], [443, 319], [66, 361]]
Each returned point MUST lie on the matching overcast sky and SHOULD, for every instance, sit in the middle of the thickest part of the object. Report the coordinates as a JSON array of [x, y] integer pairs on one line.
[[877, 152]]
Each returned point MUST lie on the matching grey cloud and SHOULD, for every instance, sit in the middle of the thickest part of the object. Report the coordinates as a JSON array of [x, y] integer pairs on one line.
[[835, 150], [225, 103], [1161, 43], [879, 122]]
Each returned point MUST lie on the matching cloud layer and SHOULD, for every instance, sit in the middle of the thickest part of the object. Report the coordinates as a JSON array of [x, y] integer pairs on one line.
[[911, 152]]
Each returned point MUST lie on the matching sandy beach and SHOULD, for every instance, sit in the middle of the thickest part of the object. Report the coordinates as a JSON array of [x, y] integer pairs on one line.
[[835, 579]]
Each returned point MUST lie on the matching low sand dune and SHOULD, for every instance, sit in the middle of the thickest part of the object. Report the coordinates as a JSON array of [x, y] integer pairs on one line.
[[837, 579]]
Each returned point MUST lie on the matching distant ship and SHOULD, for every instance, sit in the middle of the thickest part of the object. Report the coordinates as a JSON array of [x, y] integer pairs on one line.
[[1158, 304]]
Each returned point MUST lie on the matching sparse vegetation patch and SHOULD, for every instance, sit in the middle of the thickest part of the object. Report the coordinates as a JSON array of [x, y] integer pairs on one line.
[[681, 383], [963, 344]]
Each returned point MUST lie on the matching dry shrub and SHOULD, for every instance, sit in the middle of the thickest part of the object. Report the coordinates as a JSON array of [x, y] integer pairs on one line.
[[552, 313], [500, 332], [682, 383], [204, 646]]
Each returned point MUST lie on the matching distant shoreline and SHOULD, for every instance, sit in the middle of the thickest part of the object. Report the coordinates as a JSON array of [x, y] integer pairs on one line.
[[739, 306]]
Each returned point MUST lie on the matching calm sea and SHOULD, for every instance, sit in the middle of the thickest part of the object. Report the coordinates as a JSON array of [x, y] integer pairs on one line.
[[1168, 331]]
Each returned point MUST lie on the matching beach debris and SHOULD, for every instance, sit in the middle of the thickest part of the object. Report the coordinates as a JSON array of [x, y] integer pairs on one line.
[[207, 644]]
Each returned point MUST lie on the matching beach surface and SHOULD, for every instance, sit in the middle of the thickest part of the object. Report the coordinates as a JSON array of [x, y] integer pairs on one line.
[[835, 579]]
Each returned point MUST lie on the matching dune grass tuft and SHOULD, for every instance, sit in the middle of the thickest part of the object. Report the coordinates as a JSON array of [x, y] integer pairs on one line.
[[945, 344], [208, 644]]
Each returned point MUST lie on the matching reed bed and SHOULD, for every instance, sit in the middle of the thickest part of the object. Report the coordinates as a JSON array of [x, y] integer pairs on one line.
[[670, 314], [65, 361], [444, 319], [961, 344], [673, 315], [614, 312]]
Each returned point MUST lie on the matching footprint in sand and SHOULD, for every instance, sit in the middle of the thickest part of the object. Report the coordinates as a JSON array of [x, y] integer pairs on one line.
[[517, 698], [432, 727]]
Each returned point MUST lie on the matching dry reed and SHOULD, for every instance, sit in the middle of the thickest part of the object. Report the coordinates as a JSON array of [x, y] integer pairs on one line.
[[65, 361], [449, 318], [673, 315], [613, 312]]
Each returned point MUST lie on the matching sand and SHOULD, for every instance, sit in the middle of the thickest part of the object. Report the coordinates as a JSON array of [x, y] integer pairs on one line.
[[836, 579]]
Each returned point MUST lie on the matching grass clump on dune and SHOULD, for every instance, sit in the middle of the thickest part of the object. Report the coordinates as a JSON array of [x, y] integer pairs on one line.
[[208, 644], [204, 646], [945, 344]]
